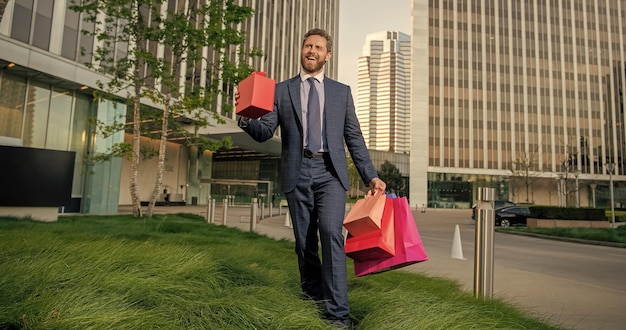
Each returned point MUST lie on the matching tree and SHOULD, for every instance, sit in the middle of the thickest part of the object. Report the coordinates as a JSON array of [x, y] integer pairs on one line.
[[3, 5], [527, 167], [569, 188], [356, 183], [393, 178], [164, 46]]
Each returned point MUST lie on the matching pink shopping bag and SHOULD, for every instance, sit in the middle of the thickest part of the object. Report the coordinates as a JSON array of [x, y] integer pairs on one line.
[[366, 214], [409, 247], [377, 244]]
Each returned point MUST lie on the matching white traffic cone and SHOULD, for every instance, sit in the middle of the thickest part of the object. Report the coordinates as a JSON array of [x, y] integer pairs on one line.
[[457, 248]]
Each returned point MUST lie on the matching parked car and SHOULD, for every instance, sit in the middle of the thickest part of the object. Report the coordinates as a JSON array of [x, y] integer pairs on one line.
[[512, 216], [497, 205]]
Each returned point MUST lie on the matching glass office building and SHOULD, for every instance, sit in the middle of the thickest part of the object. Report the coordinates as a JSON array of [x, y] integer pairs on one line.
[[383, 91], [46, 95], [523, 96]]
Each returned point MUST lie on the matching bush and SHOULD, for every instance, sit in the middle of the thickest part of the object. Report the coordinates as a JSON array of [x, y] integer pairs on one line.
[[567, 213], [618, 217]]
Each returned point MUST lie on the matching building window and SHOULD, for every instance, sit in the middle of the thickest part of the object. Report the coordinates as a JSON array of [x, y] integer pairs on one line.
[[70, 34], [13, 91], [37, 110], [22, 14], [27, 30], [59, 120], [43, 24]]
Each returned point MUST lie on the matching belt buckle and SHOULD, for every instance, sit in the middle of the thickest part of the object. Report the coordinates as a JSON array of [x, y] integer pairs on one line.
[[308, 153]]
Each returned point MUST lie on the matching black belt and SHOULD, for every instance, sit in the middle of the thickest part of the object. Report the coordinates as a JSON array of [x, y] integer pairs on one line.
[[309, 154]]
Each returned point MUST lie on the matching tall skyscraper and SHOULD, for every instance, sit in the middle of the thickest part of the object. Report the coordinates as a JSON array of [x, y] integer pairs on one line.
[[523, 96], [278, 28], [383, 91]]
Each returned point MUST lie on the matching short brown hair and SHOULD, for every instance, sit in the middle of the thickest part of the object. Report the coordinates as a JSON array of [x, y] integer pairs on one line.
[[323, 34]]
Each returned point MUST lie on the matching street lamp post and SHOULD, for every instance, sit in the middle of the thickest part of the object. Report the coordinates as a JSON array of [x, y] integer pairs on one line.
[[576, 175], [610, 167]]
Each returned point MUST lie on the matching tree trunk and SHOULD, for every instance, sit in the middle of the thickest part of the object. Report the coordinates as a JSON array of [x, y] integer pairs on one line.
[[134, 164], [3, 5], [136, 154], [161, 162]]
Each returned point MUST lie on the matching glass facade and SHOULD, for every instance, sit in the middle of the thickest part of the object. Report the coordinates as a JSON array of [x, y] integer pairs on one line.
[[21, 18], [43, 105], [102, 189], [32, 22], [40, 115], [278, 27], [537, 83], [459, 190], [383, 93], [13, 91]]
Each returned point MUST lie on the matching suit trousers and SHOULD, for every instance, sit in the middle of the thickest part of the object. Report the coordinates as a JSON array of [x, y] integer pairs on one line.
[[317, 207]]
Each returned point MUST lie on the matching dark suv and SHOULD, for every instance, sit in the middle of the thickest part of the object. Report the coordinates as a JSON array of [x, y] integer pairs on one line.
[[512, 216], [497, 204]]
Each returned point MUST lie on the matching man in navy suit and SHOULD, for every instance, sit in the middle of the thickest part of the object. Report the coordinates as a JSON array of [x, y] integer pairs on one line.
[[314, 170]]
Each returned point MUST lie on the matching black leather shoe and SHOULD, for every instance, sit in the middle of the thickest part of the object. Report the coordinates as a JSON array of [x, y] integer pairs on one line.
[[340, 324]]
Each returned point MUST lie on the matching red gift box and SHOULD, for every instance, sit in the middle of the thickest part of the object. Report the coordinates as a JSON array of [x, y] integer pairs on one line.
[[256, 96], [377, 244]]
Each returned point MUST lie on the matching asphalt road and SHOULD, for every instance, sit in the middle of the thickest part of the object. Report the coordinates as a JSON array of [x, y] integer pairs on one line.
[[577, 285]]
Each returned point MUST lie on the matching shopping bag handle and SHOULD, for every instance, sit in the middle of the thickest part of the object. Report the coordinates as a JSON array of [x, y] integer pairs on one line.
[[375, 192]]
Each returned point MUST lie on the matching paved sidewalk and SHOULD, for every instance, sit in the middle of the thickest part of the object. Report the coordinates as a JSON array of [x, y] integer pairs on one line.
[[237, 216]]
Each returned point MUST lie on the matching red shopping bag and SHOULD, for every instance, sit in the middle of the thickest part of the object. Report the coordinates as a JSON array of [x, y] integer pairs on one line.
[[366, 214], [377, 244], [409, 247]]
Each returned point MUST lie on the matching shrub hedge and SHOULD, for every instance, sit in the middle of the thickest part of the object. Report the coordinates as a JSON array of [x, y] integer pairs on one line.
[[567, 213]]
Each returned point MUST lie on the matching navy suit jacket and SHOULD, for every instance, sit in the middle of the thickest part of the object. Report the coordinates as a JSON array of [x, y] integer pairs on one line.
[[341, 125]]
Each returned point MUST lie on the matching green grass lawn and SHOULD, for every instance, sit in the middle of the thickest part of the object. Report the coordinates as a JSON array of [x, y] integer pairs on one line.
[[614, 235], [178, 272]]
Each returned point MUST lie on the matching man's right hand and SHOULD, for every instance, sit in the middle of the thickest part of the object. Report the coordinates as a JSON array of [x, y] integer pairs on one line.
[[236, 102]]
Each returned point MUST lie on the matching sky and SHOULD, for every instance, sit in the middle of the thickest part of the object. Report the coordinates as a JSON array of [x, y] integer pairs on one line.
[[357, 19]]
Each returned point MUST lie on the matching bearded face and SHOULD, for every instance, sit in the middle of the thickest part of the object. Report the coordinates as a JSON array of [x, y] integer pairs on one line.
[[314, 54]]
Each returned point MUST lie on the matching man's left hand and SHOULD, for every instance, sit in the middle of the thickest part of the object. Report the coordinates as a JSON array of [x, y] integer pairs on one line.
[[377, 184]]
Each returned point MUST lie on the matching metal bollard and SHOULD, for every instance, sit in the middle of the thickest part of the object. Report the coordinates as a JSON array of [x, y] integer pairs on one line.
[[423, 208], [208, 210], [262, 209], [270, 206], [225, 211], [483, 251], [212, 211], [253, 208]]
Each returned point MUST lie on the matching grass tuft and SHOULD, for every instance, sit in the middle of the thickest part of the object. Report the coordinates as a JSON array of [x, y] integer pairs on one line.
[[178, 272], [614, 235]]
